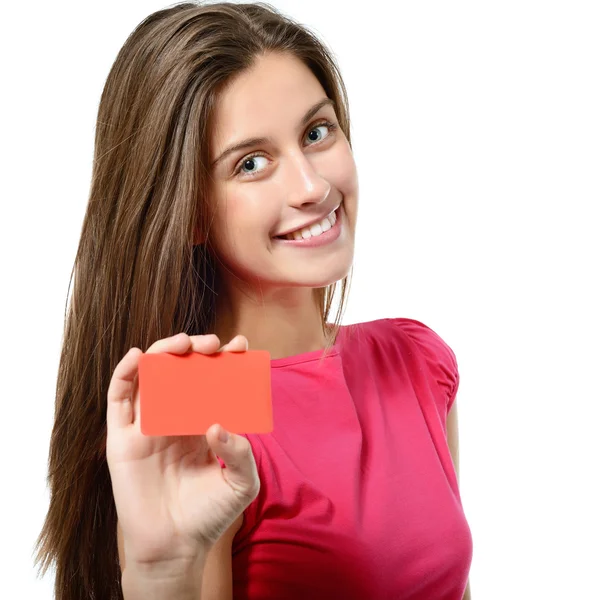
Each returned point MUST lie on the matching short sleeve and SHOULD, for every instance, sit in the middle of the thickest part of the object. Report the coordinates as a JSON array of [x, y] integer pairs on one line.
[[438, 356]]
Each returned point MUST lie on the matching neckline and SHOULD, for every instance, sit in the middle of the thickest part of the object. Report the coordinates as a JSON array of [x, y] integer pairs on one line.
[[304, 357]]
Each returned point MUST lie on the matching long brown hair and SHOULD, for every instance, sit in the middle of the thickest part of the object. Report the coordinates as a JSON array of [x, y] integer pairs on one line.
[[137, 275]]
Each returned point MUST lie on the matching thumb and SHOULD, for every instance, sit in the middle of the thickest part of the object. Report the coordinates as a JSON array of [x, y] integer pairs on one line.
[[236, 452]]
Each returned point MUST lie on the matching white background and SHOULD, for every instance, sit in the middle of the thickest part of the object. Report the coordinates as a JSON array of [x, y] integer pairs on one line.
[[476, 130]]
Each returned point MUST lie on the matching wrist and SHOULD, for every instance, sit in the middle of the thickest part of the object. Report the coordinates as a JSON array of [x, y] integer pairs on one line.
[[180, 580]]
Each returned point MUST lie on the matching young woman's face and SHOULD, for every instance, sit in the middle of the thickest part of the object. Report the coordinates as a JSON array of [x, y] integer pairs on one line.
[[300, 173]]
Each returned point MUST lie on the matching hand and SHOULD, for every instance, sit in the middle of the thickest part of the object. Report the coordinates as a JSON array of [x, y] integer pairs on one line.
[[173, 499]]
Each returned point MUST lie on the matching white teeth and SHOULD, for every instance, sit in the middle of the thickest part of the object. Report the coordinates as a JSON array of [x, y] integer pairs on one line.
[[314, 230]]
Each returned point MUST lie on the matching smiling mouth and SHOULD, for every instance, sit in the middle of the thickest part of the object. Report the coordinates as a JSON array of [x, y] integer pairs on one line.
[[314, 230]]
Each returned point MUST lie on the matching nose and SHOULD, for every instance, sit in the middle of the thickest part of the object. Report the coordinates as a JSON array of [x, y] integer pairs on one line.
[[303, 183]]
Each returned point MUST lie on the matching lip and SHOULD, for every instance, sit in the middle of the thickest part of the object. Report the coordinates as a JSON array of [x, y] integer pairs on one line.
[[321, 240], [310, 223]]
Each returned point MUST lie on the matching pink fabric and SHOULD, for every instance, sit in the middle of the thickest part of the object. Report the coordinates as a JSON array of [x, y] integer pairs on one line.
[[359, 497]]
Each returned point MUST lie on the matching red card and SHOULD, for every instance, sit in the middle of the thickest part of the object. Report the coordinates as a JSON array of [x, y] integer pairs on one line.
[[184, 394]]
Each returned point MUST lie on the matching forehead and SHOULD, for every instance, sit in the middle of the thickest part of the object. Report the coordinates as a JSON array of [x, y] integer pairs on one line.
[[273, 94]]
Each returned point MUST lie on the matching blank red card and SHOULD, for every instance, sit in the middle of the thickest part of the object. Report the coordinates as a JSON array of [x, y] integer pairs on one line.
[[184, 394]]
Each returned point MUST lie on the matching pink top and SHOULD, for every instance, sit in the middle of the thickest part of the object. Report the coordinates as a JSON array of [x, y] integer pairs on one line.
[[359, 497]]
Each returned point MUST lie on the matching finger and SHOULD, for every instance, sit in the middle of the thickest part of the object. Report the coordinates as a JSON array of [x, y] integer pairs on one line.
[[119, 410], [238, 344], [205, 344], [235, 451], [176, 344]]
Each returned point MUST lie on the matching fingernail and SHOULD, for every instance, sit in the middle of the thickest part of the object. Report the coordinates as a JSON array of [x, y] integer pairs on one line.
[[223, 435]]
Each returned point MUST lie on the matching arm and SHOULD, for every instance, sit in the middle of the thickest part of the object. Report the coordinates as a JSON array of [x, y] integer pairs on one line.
[[182, 580], [216, 576], [217, 584], [452, 436]]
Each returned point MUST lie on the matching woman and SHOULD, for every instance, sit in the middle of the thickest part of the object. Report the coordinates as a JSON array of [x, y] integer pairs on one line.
[[223, 208]]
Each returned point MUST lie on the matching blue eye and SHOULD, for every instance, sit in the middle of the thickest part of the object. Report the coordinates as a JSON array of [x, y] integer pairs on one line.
[[249, 161]]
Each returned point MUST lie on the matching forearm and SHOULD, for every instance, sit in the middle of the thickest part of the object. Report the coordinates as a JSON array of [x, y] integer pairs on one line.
[[172, 582]]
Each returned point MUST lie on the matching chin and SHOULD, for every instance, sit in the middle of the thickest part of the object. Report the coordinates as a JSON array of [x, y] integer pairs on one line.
[[325, 277]]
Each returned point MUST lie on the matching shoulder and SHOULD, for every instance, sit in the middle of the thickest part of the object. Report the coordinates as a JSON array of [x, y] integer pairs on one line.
[[436, 353], [429, 342], [401, 330], [416, 345]]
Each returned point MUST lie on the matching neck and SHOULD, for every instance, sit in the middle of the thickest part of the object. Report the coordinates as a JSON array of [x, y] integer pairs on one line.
[[285, 322]]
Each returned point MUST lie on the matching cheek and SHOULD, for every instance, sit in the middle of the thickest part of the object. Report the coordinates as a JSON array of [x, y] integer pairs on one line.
[[237, 222], [343, 176], [342, 171]]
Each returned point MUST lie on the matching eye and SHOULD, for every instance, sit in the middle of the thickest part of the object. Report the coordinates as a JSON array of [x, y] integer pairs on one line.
[[249, 161], [327, 126]]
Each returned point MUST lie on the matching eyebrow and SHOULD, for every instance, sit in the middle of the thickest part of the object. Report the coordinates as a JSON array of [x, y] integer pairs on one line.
[[255, 141]]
